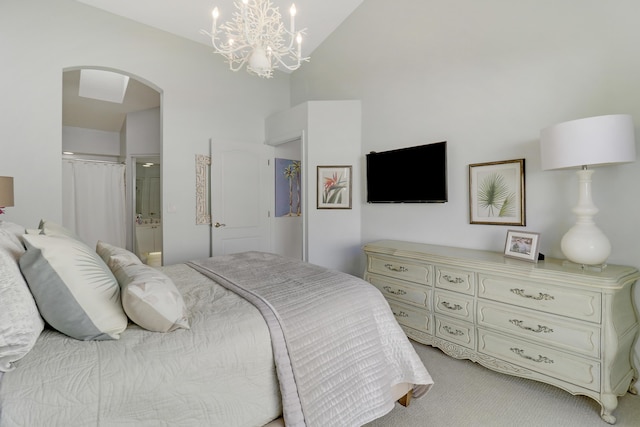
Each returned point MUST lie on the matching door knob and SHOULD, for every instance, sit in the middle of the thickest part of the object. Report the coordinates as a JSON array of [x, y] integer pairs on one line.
[[218, 225]]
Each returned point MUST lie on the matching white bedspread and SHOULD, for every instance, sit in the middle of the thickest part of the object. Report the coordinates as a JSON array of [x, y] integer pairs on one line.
[[219, 373], [337, 345]]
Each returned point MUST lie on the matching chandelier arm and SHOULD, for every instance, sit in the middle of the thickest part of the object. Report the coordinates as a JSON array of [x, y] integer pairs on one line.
[[223, 50]]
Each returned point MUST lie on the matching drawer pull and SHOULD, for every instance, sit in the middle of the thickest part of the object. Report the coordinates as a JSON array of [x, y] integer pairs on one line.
[[539, 359], [539, 297], [390, 290], [450, 279], [450, 331], [519, 324], [448, 306], [400, 269], [400, 314]]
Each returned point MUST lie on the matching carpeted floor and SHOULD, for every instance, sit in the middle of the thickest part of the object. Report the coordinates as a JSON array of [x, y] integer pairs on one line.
[[466, 394]]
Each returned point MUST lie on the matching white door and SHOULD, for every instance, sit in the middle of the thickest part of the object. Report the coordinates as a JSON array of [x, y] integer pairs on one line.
[[241, 192]]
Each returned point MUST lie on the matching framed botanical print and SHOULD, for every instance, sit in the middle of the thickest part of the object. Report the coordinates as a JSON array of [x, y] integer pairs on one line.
[[334, 187], [497, 193]]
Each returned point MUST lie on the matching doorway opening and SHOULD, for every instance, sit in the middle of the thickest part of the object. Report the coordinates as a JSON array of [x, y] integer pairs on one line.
[[118, 130]]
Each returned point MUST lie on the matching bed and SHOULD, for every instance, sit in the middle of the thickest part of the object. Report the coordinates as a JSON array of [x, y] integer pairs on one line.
[[248, 339]]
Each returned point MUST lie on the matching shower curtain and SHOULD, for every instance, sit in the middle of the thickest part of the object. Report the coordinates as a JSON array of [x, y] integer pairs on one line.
[[93, 201]]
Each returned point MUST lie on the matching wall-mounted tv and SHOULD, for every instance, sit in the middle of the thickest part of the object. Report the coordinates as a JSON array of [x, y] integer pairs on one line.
[[408, 175]]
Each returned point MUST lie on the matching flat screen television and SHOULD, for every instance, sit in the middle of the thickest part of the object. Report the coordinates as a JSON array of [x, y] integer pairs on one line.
[[408, 175]]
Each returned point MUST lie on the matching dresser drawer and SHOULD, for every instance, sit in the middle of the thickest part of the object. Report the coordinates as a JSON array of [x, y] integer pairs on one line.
[[554, 331], [582, 372], [455, 280], [401, 269], [402, 291], [457, 332], [411, 317], [453, 304], [584, 305]]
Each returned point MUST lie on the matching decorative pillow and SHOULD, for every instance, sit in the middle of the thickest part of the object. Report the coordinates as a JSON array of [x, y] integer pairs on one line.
[[73, 288], [149, 297], [20, 322], [106, 251], [51, 228], [13, 231]]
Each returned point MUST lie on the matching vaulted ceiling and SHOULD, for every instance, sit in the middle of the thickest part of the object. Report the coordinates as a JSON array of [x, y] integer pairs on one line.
[[185, 19]]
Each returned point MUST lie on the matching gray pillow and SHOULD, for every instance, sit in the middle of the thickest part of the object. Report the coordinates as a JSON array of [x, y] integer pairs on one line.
[[74, 289]]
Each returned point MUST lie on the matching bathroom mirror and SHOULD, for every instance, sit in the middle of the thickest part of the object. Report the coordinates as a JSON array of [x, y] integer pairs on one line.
[[148, 189]]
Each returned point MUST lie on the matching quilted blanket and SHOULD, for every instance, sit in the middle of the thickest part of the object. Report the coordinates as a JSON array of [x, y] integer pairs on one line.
[[337, 346]]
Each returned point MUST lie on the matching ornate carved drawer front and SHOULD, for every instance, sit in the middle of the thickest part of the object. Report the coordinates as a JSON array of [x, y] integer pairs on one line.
[[461, 333], [455, 280], [452, 304], [575, 370], [583, 305], [572, 336], [411, 317], [400, 269], [403, 291]]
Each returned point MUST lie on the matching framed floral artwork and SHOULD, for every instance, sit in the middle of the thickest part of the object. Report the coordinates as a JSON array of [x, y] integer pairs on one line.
[[334, 187], [497, 193]]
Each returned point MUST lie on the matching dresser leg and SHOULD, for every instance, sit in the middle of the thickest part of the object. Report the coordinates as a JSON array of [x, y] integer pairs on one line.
[[609, 403]]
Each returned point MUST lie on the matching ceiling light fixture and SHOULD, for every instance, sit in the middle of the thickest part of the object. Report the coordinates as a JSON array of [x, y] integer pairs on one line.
[[258, 38]]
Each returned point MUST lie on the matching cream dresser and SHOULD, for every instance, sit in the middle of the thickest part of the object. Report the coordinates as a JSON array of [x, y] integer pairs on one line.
[[562, 325]]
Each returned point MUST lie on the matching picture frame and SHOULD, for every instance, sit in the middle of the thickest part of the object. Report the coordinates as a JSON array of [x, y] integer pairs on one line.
[[524, 245], [334, 187], [497, 193]]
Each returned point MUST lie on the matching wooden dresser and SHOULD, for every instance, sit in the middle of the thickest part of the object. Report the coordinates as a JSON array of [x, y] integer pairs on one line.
[[560, 324]]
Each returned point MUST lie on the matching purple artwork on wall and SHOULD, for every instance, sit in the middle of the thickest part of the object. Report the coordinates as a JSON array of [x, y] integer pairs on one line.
[[288, 192]]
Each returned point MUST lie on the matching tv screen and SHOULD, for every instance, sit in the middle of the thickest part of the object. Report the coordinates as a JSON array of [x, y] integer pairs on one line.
[[408, 175]]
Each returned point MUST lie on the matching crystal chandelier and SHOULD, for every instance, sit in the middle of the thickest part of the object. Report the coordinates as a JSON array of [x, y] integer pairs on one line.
[[257, 37]]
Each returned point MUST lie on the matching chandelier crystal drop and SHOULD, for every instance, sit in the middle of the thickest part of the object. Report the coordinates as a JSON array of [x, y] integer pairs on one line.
[[256, 37]]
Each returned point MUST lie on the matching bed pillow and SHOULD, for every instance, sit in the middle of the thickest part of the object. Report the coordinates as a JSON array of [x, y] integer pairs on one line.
[[20, 322], [74, 289], [149, 297], [51, 228], [106, 251], [13, 231]]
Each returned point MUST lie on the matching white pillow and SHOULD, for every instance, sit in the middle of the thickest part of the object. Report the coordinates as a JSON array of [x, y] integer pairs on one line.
[[13, 232], [74, 289], [149, 297], [51, 228], [20, 322], [106, 251]]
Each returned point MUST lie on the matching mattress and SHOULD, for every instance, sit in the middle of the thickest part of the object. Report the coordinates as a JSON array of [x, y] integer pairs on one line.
[[219, 373]]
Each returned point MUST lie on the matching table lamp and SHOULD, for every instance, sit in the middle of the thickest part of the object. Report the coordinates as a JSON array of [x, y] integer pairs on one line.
[[6, 192], [601, 140]]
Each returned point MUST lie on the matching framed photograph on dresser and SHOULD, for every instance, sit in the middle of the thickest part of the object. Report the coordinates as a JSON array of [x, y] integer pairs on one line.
[[523, 245]]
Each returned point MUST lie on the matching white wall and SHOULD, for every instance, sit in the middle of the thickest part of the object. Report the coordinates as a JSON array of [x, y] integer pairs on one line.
[[90, 141], [487, 76], [331, 133], [201, 99]]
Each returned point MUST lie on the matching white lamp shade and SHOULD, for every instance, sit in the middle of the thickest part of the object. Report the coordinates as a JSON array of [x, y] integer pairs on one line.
[[592, 141], [6, 191]]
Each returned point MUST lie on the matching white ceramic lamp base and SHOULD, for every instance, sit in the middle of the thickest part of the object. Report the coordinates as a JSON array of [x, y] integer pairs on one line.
[[585, 243]]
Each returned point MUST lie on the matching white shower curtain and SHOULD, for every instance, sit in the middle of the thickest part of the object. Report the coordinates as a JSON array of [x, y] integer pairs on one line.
[[93, 201]]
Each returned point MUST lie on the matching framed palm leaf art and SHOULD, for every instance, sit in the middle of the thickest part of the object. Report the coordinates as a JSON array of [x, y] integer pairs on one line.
[[334, 187], [497, 193]]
